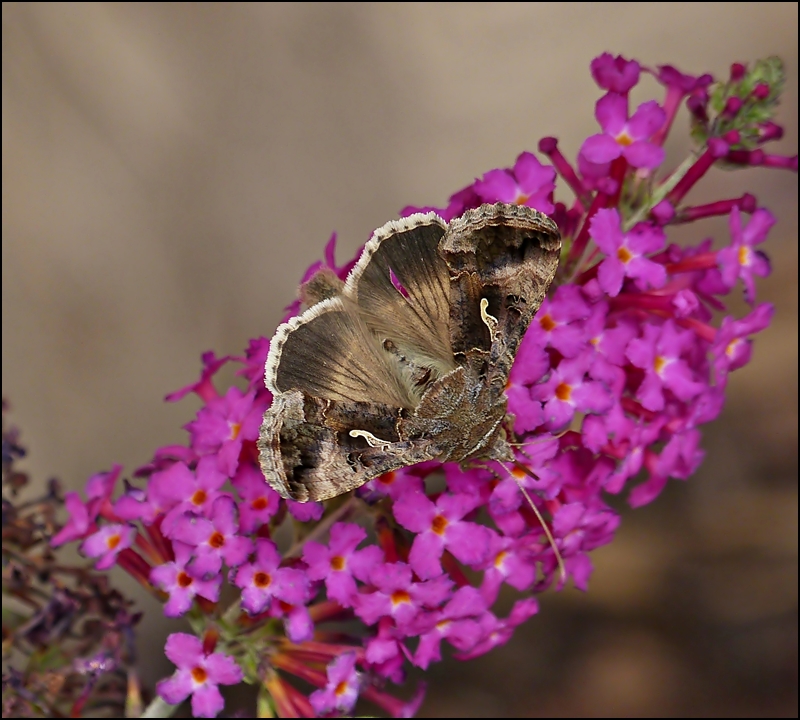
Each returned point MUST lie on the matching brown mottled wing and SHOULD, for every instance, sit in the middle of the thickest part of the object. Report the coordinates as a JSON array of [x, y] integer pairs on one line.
[[402, 287], [307, 453], [507, 254], [328, 352]]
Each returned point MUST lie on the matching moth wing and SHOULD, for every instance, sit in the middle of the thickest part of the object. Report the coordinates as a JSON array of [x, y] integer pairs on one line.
[[328, 352], [307, 453], [401, 285], [508, 256]]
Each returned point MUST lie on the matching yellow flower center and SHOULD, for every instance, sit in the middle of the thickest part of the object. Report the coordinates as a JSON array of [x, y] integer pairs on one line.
[[262, 580], [259, 503], [624, 255], [439, 524], [744, 255], [400, 596], [624, 139], [547, 323]]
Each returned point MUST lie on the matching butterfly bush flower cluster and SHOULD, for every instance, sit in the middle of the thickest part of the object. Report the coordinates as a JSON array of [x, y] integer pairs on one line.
[[624, 363]]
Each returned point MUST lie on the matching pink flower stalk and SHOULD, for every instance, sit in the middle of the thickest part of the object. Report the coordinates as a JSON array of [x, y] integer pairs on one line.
[[612, 383]]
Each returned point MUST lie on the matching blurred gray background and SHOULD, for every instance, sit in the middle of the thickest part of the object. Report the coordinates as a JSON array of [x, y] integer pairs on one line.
[[169, 171]]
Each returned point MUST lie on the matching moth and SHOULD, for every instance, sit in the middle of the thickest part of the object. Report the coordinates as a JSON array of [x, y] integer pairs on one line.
[[408, 360]]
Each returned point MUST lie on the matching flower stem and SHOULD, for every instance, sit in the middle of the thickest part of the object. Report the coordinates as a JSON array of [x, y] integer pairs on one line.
[[159, 708], [660, 192]]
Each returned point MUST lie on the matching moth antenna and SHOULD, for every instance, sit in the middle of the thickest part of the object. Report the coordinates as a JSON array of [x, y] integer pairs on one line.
[[532, 442], [562, 569], [522, 445]]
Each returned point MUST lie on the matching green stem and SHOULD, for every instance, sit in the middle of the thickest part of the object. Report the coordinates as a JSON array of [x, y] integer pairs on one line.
[[159, 709], [660, 192]]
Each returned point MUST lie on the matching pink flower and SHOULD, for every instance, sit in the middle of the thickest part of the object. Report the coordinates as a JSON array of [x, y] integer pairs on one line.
[[180, 490], [578, 529], [107, 543], [204, 388], [263, 580], [625, 252], [213, 539], [623, 137], [224, 424], [438, 526], [615, 73], [529, 183], [198, 674], [568, 391], [495, 632], [341, 691], [456, 622], [341, 564], [396, 596], [741, 260], [557, 325], [259, 502], [180, 584], [659, 353], [82, 515], [732, 346]]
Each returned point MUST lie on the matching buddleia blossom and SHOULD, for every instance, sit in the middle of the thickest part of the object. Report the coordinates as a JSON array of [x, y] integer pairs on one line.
[[612, 383]]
